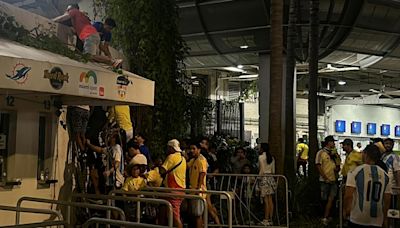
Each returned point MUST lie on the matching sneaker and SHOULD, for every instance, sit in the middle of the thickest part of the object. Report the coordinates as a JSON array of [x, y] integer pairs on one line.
[[117, 62], [325, 221], [266, 223]]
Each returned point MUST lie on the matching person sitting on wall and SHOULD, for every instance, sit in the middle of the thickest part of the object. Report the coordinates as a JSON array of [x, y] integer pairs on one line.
[[87, 33]]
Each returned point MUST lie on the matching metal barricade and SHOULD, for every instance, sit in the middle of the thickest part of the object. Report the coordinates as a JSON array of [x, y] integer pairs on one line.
[[165, 195], [69, 205], [119, 223], [135, 199], [38, 224], [35, 211], [211, 192], [245, 188]]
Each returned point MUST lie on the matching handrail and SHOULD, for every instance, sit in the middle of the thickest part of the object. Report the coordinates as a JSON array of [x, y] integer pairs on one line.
[[117, 222], [183, 196], [213, 192], [32, 210], [135, 199], [259, 176], [69, 204], [38, 224]]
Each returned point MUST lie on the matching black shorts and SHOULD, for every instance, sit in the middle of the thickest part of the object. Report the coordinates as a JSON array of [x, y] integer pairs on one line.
[[77, 119]]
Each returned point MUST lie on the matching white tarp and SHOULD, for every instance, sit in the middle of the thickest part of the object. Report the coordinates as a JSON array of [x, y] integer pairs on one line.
[[27, 69]]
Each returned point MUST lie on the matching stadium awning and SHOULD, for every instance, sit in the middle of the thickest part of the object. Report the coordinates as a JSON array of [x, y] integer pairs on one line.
[[26, 71]]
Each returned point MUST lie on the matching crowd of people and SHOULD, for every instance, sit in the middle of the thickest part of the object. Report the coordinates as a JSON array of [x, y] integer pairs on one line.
[[367, 176]]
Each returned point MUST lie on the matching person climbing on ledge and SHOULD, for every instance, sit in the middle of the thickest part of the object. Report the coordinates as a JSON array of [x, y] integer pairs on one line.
[[88, 34]]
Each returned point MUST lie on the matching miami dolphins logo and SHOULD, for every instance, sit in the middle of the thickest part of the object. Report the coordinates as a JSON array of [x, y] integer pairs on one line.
[[19, 73], [85, 77]]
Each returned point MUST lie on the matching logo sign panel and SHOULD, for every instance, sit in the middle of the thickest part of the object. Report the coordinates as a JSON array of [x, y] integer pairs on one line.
[[56, 77], [88, 84], [19, 73], [122, 84]]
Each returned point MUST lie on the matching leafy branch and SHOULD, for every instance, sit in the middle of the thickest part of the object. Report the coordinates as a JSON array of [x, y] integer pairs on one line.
[[39, 37]]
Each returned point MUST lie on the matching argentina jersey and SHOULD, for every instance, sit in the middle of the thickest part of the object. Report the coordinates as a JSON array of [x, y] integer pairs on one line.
[[392, 162], [370, 183]]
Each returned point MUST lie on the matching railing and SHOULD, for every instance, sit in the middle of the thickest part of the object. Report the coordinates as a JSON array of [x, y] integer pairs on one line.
[[119, 223], [38, 224], [210, 192], [245, 189], [165, 195], [35, 211], [69, 205], [134, 199]]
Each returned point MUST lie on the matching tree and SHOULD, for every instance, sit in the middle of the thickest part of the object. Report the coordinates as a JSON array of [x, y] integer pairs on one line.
[[290, 97], [275, 109], [312, 94], [147, 32]]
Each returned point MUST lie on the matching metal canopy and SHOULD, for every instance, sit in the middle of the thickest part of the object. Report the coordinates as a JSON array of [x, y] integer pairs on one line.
[[215, 30]]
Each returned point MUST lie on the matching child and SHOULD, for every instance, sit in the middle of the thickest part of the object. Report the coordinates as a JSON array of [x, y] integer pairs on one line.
[[134, 182]]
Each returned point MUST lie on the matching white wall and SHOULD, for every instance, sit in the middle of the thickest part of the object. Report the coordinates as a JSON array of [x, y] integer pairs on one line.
[[22, 161], [364, 114]]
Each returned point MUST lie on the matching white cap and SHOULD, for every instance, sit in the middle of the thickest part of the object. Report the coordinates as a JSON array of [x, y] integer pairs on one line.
[[174, 143]]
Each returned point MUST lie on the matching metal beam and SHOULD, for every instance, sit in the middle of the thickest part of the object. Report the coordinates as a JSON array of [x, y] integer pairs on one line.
[[370, 100]]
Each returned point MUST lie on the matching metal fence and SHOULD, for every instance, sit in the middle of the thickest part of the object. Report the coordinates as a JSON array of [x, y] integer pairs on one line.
[[221, 194], [69, 205], [246, 192], [224, 118], [137, 200], [19, 209], [165, 195]]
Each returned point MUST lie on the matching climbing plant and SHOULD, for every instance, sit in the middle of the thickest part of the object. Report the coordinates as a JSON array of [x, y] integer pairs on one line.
[[147, 32], [39, 37]]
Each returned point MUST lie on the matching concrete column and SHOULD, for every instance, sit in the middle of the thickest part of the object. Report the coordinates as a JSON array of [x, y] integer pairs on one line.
[[263, 88]]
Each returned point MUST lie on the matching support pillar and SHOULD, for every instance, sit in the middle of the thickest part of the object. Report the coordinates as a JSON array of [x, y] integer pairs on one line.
[[263, 102], [241, 122]]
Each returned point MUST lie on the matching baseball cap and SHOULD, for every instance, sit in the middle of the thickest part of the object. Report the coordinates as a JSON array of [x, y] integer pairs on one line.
[[174, 143], [330, 138], [347, 142]]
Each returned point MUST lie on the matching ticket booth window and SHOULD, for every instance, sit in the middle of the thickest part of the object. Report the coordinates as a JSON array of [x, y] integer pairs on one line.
[[7, 140], [44, 148]]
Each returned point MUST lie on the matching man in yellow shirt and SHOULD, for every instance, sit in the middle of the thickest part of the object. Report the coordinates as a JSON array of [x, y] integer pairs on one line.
[[122, 115], [197, 176], [353, 158], [326, 162], [174, 172], [302, 156]]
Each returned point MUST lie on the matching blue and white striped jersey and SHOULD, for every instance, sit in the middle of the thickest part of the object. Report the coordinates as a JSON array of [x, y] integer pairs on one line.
[[370, 183], [392, 162]]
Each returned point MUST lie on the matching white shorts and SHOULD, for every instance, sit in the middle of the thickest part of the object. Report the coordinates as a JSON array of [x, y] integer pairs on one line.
[[91, 44]]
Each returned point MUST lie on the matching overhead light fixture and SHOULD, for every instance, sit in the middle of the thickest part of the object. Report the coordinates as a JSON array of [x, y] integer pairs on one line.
[[341, 82], [240, 66], [244, 46], [233, 69], [193, 77], [248, 76]]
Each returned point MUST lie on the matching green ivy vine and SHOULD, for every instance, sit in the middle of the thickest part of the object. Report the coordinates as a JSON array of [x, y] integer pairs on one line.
[[147, 32], [39, 38]]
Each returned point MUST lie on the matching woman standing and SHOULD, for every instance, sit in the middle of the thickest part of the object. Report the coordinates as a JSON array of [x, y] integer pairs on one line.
[[266, 163]]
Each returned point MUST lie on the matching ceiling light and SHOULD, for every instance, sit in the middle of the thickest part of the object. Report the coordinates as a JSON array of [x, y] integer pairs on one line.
[[244, 46], [233, 69], [341, 82], [193, 77], [247, 76], [240, 66]]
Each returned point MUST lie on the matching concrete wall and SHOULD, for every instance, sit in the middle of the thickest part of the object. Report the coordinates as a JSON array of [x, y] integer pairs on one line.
[[364, 114], [22, 161]]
